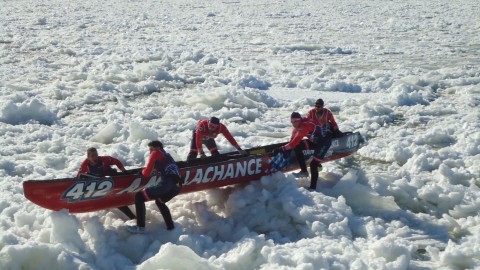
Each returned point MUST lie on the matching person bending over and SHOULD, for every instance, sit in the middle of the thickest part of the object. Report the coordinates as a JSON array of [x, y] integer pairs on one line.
[[316, 140], [205, 133], [159, 162], [101, 166]]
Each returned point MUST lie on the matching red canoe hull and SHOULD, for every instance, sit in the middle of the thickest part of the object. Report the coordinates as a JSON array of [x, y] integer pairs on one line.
[[93, 194]]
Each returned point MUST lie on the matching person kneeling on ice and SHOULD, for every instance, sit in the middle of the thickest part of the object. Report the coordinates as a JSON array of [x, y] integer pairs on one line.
[[159, 162], [317, 141], [205, 133], [100, 166]]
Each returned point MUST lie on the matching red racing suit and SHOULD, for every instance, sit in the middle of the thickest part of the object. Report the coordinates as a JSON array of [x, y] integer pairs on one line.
[[161, 162], [202, 133], [324, 121], [307, 129], [102, 168], [169, 186]]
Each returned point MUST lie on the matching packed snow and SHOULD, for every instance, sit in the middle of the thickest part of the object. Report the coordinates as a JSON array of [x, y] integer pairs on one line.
[[117, 74]]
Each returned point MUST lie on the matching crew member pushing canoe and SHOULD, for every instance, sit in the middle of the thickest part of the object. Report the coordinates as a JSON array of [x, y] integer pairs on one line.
[[101, 166], [316, 140], [159, 162], [205, 133]]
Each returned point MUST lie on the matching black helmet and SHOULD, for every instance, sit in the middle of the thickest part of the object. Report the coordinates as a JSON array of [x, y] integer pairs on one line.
[[319, 102], [214, 120], [295, 115], [155, 144]]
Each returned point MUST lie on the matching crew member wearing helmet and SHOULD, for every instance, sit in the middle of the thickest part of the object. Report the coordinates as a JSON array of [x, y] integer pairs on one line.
[[205, 133], [323, 118], [159, 163], [101, 166], [303, 127]]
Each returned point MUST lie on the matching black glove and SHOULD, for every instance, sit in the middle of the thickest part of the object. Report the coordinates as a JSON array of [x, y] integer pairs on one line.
[[277, 151]]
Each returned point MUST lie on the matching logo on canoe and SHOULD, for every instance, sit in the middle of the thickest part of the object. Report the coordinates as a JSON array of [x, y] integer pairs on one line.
[[220, 172]]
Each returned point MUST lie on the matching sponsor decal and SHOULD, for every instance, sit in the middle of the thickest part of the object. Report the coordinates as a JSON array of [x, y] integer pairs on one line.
[[258, 151], [308, 152], [136, 185], [220, 172], [280, 161]]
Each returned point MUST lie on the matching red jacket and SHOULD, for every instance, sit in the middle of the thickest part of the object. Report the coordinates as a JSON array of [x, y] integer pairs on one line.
[[327, 117], [307, 128], [203, 133], [104, 166], [162, 163]]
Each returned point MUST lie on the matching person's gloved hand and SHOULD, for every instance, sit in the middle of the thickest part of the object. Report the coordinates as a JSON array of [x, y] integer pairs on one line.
[[243, 152], [202, 155]]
